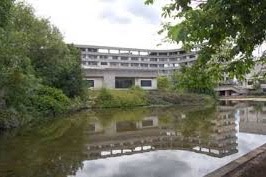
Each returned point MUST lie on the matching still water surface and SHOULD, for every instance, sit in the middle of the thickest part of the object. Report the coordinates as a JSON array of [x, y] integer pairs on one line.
[[142, 142]]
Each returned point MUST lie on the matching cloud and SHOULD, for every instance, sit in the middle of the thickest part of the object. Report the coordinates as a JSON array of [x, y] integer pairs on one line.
[[113, 17], [139, 9]]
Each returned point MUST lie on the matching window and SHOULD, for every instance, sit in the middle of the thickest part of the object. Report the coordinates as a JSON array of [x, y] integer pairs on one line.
[[144, 65], [250, 82], [124, 58], [173, 59], [147, 123], [113, 64], [93, 56], [135, 64], [134, 58], [103, 57], [114, 57], [90, 83], [145, 83], [103, 63], [124, 64], [92, 63], [124, 82]]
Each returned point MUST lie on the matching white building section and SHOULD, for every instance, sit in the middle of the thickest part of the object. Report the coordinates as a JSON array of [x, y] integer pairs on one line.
[[120, 68]]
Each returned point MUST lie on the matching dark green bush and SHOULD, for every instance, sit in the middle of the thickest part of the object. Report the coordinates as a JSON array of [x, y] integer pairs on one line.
[[50, 101]]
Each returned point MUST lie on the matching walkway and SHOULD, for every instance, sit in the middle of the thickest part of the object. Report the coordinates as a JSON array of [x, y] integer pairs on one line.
[[252, 164]]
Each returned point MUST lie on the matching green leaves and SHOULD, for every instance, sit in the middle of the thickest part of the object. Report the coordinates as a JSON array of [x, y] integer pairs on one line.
[[34, 59], [5, 6], [212, 24]]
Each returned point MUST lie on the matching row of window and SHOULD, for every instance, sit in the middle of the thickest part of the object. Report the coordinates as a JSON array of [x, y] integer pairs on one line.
[[120, 51], [136, 58], [94, 63], [123, 83]]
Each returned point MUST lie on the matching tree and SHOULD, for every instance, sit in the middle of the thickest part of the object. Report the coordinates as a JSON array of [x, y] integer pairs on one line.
[[193, 80], [211, 24], [35, 64], [54, 62], [5, 6]]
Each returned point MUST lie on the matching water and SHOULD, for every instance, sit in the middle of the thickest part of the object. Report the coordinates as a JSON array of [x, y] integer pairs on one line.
[[142, 142]]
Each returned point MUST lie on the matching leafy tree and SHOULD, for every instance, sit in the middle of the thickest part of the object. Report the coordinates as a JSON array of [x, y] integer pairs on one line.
[[190, 79], [34, 58], [209, 25], [56, 63], [163, 83], [5, 6]]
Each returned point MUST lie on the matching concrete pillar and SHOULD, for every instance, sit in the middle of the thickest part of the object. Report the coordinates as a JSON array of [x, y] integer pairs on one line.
[[109, 80], [226, 93]]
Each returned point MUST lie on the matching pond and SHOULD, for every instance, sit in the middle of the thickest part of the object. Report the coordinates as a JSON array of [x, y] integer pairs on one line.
[[140, 142]]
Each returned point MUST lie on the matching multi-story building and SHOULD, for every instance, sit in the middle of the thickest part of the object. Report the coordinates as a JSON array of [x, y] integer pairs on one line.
[[117, 67]]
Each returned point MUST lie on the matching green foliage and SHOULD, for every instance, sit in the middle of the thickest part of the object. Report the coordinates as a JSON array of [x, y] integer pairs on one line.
[[177, 98], [34, 58], [5, 6], [212, 25], [120, 98], [105, 98], [193, 80], [57, 64], [50, 101], [163, 83]]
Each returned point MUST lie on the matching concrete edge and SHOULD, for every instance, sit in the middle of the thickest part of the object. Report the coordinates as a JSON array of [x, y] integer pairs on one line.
[[226, 169]]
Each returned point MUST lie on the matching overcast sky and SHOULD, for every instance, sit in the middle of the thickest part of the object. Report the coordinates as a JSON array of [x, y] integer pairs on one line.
[[124, 23]]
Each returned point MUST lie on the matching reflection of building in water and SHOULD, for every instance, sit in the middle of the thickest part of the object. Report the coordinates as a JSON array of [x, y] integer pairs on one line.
[[129, 137], [253, 118]]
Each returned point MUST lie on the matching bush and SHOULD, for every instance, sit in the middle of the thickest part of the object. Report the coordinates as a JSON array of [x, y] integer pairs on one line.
[[50, 101], [104, 99], [120, 98], [163, 83], [8, 119]]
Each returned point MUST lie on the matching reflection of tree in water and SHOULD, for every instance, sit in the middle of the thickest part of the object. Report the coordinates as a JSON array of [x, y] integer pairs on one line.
[[53, 149]]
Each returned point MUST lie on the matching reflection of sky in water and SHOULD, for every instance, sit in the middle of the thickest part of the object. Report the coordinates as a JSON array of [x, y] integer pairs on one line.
[[170, 163]]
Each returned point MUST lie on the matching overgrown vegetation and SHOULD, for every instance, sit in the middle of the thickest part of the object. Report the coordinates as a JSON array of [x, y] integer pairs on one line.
[[120, 98], [39, 73], [106, 98]]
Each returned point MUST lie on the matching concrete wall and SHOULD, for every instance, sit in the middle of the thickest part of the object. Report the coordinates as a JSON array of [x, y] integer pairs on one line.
[[106, 77]]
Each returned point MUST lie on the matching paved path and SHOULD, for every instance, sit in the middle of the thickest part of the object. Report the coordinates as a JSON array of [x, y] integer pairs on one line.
[[252, 164]]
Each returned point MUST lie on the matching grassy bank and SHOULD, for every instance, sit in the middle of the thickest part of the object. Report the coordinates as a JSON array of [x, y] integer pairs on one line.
[[137, 97]]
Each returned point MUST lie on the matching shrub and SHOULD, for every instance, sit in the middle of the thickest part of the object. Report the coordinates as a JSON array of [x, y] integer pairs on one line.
[[104, 99], [163, 83], [120, 98], [50, 101]]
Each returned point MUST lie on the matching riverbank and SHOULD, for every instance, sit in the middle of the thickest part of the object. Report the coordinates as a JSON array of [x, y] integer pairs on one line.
[[106, 98], [249, 165], [137, 97]]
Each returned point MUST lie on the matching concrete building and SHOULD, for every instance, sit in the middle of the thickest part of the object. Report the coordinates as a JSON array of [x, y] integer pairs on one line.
[[117, 67]]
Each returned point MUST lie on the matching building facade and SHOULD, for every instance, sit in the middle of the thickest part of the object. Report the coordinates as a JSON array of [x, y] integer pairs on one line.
[[120, 68]]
